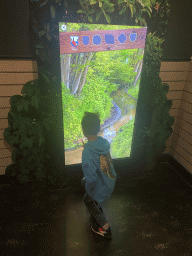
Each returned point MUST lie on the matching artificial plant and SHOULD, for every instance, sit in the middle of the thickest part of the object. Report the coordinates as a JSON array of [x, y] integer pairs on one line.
[[28, 119], [159, 128]]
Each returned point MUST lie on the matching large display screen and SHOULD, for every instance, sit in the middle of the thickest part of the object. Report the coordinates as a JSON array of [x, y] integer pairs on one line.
[[100, 73]]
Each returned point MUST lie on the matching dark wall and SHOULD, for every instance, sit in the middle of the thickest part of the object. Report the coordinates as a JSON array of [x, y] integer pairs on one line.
[[179, 32], [15, 30]]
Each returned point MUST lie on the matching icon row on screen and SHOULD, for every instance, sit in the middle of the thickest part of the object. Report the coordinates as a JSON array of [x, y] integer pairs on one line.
[[109, 39]]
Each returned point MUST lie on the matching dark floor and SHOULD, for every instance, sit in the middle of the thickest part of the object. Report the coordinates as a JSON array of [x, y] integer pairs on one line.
[[148, 216]]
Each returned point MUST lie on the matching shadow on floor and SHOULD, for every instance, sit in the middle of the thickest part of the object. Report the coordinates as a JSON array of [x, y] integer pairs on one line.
[[148, 216]]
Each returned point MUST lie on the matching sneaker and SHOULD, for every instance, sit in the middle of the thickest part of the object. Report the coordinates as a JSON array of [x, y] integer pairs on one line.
[[106, 233]]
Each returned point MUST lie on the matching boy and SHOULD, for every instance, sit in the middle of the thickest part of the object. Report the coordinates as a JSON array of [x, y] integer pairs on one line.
[[100, 176]]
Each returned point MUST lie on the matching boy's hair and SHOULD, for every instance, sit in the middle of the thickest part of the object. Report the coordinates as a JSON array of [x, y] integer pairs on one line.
[[91, 123]]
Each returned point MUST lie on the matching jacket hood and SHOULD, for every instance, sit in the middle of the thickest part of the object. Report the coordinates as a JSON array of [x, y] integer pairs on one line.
[[100, 146]]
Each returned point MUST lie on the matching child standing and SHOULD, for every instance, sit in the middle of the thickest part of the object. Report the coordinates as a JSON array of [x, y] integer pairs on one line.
[[100, 176]]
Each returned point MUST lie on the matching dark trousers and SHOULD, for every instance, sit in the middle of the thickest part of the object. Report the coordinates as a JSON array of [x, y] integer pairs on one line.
[[94, 207]]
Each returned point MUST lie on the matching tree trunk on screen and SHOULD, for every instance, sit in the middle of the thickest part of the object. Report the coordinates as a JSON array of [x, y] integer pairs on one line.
[[78, 76], [66, 68], [84, 76], [62, 68], [138, 74], [137, 66], [134, 58], [76, 60]]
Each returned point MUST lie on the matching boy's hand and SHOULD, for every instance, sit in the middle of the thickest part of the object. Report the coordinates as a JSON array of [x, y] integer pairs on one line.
[[83, 143]]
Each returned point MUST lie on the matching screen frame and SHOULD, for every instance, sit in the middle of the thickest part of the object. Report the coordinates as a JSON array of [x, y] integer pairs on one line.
[[143, 114]]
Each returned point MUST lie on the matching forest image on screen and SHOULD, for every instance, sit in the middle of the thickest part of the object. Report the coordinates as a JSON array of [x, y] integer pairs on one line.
[[100, 73]]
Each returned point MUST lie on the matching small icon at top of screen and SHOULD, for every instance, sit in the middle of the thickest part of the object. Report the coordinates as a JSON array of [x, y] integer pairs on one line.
[[63, 27]]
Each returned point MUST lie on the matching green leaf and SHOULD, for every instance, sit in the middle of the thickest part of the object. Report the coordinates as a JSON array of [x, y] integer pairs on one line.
[[49, 73], [131, 9], [42, 56], [10, 118], [15, 154], [22, 144], [39, 46], [45, 77], [90, 18], [169, 103], [107, 18], [110, 9], [41, 33], [7, 135], [120, 1], [141, 3], [92, 11], [149, 13], [100, 4], [48, 37], [44, 3], [53, 11], [165, 87], [123, 10], [34, 101], [98, 16], [143, 22], [26, 106], [48, 27], [80, 11], [171, 121], [93, 2]]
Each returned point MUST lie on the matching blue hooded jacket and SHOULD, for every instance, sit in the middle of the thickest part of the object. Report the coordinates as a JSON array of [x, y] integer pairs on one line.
[[98, 169]]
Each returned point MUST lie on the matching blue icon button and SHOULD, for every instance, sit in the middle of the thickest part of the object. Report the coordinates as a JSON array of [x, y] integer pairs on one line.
[[122, 38], [85, 40], [109, 39], [96, 40], [133, 37]]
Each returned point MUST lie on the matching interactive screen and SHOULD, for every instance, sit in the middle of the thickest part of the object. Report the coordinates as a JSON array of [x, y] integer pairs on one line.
[[100, 73]]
